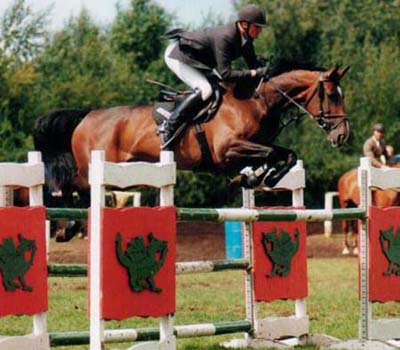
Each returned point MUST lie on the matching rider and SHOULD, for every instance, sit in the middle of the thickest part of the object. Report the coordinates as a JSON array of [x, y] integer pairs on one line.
[[374, 148], [193, 54]]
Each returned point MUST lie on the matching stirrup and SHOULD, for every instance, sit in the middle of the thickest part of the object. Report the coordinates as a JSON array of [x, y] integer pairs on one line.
[[165, 144]]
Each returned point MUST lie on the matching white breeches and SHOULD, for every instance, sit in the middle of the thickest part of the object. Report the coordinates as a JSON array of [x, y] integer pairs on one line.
[[189, 75]]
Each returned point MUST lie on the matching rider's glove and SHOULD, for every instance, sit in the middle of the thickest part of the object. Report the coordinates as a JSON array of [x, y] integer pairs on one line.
[[263, 72]]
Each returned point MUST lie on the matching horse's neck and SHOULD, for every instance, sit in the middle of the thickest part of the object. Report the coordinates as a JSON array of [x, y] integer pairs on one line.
[[293, 84]]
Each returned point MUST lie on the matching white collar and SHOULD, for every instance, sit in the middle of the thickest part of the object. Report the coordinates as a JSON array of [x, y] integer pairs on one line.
[[244, 40]]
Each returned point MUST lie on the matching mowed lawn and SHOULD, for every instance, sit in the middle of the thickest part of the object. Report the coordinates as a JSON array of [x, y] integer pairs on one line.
[[332, 304]]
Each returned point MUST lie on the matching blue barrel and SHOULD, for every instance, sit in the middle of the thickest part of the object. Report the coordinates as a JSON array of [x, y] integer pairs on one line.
[[233, 240]]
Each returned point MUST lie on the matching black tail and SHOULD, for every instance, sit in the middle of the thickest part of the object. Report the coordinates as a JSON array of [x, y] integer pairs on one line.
[[52, 136]]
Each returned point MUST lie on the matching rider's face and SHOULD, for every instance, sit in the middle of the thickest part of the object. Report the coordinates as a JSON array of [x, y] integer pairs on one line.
[[378, 134], [254, 30]]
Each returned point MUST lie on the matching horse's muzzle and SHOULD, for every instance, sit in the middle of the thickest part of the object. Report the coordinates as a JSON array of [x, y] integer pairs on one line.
[[340, 136]]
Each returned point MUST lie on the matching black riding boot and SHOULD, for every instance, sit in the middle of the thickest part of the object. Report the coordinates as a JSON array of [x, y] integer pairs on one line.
[[180, 114]]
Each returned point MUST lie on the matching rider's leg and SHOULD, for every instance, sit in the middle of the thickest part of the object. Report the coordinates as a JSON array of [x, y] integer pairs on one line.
[[189, 75], [193, 102], [180, 114]]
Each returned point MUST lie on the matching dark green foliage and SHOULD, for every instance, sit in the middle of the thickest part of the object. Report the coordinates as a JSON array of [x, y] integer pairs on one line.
[[21, 40], [364, 35], [136, 32]]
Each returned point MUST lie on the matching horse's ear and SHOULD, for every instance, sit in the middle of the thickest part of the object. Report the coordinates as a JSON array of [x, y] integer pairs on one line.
[[332, 73], [342, 72], [335, 74]]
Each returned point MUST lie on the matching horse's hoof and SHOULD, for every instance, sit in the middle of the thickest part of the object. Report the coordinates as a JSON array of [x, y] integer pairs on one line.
[[345, 251], [240, 180], [271, 182], [355, 251], [252, 181]]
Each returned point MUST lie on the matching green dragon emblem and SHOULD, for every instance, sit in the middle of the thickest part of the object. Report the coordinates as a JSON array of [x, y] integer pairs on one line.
[[391, 250], [141, 261], [280, 250], [14, 263]]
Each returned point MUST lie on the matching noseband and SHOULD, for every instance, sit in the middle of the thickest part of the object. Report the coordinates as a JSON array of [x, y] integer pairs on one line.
[[322, 117]]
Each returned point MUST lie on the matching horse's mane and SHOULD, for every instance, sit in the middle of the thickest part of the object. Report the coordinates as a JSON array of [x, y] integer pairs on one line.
[[52, 135], [50, 130], [282, 67], [245, 89]]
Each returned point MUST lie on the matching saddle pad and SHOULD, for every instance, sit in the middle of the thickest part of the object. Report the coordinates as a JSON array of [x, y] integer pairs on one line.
[[162, 111]]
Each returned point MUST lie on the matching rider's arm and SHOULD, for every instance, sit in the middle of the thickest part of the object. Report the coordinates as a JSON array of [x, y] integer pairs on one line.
[[223, 57], [249, 56]]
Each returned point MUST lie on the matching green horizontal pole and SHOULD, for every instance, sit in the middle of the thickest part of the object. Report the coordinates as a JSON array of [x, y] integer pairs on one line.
[[249, 215], [145, 334], [199, 214], [66, 213], [234, 264], [76, 270], [83, 337], [80, 270], [349, 214], [232, 327], [69, 338], [236, 214]]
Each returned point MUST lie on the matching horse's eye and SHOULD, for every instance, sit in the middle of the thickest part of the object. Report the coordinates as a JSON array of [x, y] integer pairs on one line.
[[335, 96]]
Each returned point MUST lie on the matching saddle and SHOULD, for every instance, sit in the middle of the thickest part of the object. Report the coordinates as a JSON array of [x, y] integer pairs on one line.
[[169, 100]]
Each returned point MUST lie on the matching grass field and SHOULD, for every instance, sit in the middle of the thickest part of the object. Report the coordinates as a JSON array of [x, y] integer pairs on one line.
[[332, 304]]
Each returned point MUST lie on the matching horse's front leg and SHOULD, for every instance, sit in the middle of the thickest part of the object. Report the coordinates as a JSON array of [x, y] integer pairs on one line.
[[264, 165]]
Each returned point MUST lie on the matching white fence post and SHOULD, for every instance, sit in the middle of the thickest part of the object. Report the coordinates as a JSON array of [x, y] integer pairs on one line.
[[30, 175], [329, 206]]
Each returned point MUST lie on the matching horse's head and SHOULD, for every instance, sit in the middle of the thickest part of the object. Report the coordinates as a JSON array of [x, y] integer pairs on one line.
[[316, 93], [324, 100]]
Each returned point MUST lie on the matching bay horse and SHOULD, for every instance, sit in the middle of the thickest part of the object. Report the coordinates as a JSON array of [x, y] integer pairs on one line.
[[241, 133], [349, 197]]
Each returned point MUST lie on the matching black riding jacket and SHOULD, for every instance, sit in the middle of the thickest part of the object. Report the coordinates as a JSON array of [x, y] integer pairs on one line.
[[216, 47]]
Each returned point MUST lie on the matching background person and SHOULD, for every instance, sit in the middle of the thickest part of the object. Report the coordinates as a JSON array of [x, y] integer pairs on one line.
[[374, 148]]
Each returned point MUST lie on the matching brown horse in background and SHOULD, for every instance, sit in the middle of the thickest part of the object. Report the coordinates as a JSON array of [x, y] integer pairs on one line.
[[241, 134], [349, 197]]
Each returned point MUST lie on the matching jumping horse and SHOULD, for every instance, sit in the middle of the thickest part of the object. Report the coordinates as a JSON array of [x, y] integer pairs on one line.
[[349, 197], [241, 133]]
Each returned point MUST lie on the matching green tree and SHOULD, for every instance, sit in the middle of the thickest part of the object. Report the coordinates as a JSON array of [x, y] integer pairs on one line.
[[76, 66], [137, 32], [22, 33]]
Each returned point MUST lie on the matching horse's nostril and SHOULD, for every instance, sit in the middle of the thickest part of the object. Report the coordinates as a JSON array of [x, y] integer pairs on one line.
[[341, 139]]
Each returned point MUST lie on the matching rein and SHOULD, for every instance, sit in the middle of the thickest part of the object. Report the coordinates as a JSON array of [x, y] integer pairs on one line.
[[321, 117]]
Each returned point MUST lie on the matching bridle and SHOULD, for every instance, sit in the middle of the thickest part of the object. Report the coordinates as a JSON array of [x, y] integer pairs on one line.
[[322, 117]]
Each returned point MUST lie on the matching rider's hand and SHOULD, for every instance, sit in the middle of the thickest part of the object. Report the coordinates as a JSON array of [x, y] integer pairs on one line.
[[263, 72]]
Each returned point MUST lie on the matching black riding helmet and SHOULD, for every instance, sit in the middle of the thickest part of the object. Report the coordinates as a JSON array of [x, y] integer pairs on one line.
[[253, 14]]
